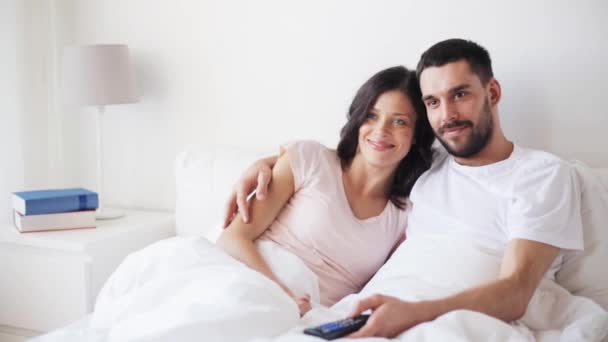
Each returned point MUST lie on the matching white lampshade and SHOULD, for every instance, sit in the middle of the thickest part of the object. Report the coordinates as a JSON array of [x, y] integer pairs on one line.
[[98, 75]]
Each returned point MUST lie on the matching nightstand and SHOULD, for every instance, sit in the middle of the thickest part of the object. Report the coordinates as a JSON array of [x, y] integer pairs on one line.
[[49, 279]]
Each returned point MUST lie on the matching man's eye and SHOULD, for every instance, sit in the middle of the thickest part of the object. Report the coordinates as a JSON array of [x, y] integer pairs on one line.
[[431, 103], [460, 94]]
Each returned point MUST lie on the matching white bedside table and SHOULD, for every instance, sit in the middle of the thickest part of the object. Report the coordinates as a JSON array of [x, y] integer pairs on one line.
[[50, 279]]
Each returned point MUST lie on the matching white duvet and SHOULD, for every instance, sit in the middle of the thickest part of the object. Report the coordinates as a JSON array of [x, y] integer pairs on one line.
[[186, 289]]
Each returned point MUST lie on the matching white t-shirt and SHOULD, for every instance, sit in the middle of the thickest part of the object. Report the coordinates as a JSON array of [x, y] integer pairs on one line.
[[531, 195]]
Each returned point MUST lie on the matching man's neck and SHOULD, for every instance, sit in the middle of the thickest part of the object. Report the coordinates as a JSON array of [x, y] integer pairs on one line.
[[498, 149]]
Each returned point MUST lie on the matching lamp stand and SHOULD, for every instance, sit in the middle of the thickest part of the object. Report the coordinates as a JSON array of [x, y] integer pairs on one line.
[[102, 212]]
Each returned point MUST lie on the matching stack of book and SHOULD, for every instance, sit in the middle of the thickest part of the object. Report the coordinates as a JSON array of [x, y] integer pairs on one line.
[[57, 209]]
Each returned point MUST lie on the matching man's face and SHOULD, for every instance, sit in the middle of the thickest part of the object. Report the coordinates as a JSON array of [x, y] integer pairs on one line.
[[458, 108]]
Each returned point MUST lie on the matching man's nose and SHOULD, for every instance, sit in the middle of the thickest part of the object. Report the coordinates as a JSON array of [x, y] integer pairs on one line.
[[448, 111]]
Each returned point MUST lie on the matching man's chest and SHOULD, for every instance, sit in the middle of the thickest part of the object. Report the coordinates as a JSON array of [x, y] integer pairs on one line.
[[466, 207]]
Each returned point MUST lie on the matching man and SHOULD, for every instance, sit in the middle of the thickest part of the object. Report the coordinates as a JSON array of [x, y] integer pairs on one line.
[[521, 202]]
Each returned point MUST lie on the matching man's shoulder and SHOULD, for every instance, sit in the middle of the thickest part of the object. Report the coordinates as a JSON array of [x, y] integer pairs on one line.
[[440, 160], [531, 160], [536, 167], [431, 176]]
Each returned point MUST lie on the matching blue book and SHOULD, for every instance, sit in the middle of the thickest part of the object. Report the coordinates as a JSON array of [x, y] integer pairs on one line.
[[54, 201]]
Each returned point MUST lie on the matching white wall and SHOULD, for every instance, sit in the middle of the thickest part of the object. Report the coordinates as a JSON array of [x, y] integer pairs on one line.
[[24, 70], [261, 72]]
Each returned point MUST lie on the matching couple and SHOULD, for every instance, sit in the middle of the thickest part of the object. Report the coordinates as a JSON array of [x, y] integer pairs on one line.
[[343, 212]]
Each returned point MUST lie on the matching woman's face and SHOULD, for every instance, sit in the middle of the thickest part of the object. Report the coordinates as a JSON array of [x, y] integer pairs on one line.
[[386, 135]]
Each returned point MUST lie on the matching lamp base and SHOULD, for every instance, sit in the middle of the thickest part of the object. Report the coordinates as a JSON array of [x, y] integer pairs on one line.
[[108, 214]]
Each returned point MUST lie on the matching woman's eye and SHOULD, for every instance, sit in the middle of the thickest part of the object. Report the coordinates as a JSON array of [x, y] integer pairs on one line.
[[370, 116], [400, 122]]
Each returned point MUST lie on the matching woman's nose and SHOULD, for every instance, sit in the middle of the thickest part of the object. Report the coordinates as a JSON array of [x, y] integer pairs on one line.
[[383, 126]]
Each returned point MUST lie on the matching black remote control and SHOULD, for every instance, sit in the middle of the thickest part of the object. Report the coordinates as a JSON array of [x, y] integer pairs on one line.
[[333, 330]]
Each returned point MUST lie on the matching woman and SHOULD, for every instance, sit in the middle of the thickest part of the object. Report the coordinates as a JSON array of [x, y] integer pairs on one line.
[[342, 212]]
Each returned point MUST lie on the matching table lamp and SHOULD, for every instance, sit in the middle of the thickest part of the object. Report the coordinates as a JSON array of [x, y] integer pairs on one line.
[[99, 75]]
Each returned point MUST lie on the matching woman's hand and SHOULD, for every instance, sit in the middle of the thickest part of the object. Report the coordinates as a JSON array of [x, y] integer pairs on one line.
[[303, 304], [257, 177]]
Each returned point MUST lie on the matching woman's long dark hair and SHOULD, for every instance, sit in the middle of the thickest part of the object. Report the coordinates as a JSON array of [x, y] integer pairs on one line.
[[420, 156]]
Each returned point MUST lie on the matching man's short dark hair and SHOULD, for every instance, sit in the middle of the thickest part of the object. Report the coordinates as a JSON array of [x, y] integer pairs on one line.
[[453, 50]]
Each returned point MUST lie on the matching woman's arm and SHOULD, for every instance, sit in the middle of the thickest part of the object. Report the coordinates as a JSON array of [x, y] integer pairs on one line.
[[238, 239]]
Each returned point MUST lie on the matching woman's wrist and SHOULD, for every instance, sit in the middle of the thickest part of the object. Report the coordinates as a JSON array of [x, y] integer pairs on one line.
[[287, 290]]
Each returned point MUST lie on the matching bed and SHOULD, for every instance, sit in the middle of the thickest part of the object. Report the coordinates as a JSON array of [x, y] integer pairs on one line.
[[192, 291]]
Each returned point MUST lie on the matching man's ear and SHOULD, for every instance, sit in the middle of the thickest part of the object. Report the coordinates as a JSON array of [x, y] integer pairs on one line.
[[495, 91]]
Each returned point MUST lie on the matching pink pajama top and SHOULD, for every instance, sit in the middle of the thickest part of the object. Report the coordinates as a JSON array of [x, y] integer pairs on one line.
[[318, 225]]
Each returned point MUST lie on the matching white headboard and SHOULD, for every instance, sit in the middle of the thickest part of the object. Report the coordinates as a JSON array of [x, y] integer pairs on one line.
[[204, 179]]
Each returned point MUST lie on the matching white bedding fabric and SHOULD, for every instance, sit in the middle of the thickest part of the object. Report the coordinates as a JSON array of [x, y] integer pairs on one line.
[[186, 289], [417, 271]]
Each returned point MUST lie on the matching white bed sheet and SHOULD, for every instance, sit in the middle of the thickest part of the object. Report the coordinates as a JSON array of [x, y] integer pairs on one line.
[[553, 313], [186, 290], [182, 289]]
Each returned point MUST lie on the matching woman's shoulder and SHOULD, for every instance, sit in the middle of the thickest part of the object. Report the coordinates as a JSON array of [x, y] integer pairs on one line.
[[310, 161], [308, 149]]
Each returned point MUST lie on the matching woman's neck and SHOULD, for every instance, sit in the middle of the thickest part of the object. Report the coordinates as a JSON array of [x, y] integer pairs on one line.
[[367, 180]]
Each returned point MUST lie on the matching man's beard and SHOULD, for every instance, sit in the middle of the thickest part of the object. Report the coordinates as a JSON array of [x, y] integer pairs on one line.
[[479, 138]]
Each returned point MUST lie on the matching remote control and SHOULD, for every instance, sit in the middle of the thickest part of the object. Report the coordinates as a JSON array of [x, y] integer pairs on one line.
[[333, 330]]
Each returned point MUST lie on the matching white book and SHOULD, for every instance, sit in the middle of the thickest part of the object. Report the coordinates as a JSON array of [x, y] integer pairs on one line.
[[58, 221]]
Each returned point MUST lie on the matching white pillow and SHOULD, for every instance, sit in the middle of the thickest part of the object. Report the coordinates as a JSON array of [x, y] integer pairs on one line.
[[204, 178], [603, 176], [586, 273]]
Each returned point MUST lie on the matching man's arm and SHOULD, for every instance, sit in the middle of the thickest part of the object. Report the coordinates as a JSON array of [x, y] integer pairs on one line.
[[257, 177], [524, 264]]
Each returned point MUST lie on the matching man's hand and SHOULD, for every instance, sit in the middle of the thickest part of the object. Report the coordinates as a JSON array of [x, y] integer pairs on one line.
[[390, 316], [257, 177]]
